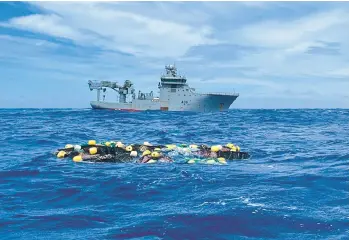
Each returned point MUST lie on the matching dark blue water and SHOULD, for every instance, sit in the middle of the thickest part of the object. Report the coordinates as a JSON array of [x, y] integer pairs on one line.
[[295, 186]]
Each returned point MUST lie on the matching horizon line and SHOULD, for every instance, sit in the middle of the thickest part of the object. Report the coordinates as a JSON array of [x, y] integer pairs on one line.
[[170, 111]]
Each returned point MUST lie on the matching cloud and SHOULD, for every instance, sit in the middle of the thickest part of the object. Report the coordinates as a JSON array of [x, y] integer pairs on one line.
[[48, 24], [106, 27], [342, 72], [311, 46], [325, 49], [314, 47], [78, 64], [282, 34], [221, 51]]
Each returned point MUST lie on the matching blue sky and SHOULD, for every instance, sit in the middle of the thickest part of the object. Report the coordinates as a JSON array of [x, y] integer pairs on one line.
[[275, 54]]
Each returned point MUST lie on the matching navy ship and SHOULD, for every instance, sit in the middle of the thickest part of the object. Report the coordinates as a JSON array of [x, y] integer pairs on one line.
[[175, 95]]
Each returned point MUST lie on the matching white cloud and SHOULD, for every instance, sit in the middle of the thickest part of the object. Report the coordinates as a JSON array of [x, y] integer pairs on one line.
[[99, 25], [25, 41], [255, 4], [302, 47], [47, 24], [285, 44], [342, 72], [281, 34]]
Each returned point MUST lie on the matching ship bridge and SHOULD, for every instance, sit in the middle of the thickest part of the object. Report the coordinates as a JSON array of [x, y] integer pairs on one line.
[[171, 79]]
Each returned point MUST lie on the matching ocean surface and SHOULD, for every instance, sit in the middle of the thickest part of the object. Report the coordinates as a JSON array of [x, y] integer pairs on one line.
[[295, 185]]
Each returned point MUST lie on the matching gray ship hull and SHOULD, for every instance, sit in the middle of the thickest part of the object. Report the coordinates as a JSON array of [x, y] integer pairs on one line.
[[136, 105], [200, 103]]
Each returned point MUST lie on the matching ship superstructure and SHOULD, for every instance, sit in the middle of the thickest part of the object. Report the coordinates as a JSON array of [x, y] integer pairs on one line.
[[175, 95]]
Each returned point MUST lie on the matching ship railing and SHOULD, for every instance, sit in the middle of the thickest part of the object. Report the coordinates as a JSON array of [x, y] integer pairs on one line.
[[220, 93]]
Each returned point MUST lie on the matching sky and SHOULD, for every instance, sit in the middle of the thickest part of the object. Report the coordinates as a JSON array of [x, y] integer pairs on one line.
[[274, 54]]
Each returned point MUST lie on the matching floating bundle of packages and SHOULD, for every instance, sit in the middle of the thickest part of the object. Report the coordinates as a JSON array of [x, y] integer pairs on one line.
[[118, 152]]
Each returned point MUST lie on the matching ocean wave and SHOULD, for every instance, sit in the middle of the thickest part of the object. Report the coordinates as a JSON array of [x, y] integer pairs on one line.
[[295, 185]]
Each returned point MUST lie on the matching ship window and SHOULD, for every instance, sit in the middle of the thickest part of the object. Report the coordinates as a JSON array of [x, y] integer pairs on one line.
[[173, 90], [187, 90]]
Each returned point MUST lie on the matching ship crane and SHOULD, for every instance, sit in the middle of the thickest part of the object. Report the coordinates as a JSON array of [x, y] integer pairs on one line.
[[125, 91]]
